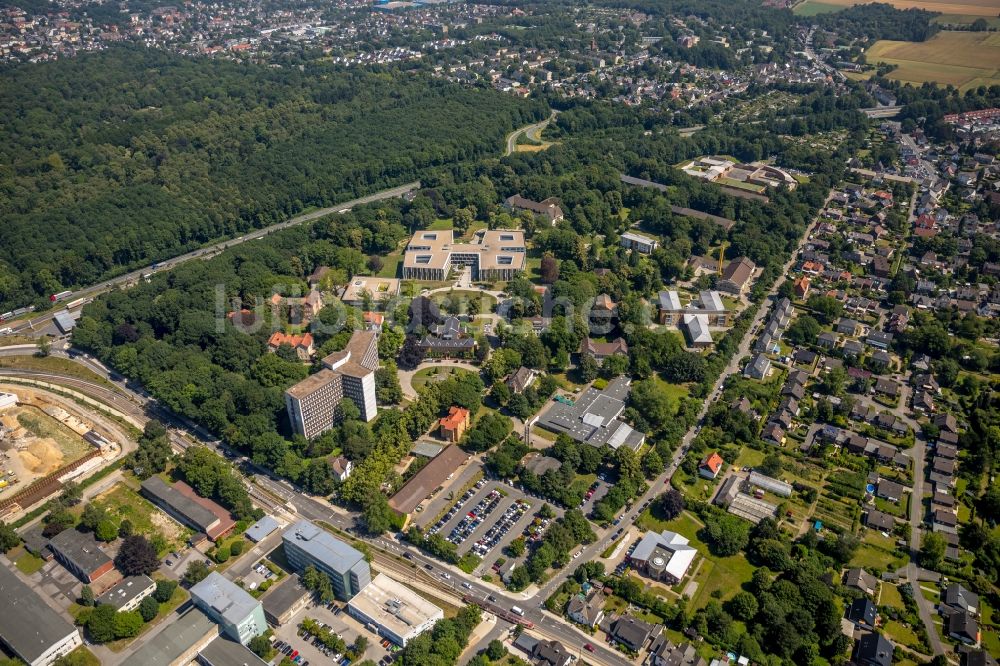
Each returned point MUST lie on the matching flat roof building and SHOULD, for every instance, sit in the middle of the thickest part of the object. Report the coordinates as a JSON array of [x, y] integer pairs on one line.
[[29, 628], [398, 613], [377, 289], [128, 594], [284, 600], [631, 240], [308, 544], [239, 615], [593, 418], [495, 254], [178, 643], [224, 652], [79, 553], [312, 403], [262, 529]]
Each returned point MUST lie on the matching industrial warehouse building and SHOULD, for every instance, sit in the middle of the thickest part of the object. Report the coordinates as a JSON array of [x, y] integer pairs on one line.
[[33, 632], [186, 506], [308, 544], [398, 613]]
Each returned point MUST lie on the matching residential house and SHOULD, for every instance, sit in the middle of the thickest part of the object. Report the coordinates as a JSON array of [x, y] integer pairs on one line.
[[639, 242], [662, 652], [859, 579], [587, 609], [963, 627], [758, 368], [956, 596], [863, 613], [548, 208], [873, 649], [889, 490], [711, 466], [736, 276], [602, 350], [302, 345], [632, 632], [521, 379], [454, 425], [341, 468]]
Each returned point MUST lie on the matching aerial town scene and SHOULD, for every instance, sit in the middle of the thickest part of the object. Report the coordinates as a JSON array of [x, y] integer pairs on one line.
[[500, 333]]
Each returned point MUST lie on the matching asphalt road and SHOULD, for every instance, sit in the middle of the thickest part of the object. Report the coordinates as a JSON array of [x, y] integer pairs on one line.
[[41, 325]]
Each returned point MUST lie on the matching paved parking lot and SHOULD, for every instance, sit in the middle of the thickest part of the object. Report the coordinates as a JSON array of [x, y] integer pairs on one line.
[[501, 514], [433, 507], [178, 565], [345, 626]]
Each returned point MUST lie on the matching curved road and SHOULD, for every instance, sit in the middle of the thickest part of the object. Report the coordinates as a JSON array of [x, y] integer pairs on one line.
[[527, 129]]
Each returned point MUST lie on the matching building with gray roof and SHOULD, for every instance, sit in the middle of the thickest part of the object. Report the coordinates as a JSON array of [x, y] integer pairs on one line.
[[224, 652], [128, 594], [308, 544], [79, 553], [284, 600], [29, 628], [178, 505], [239, 615], [594, 418], [262, 529], [178, 642]]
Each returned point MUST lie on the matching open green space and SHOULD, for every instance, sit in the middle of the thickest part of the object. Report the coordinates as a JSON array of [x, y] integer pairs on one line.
[[811, 8], [28, 563], [421, 377]]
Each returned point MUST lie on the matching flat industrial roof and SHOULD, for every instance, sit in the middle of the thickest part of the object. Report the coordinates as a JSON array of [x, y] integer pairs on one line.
[[394, 606], [28, 626], [125, 591], [283, 596], [177, 637], [261, 529], [323, 546], [80, 548], [424, 482], [224, 597], [225, 652]]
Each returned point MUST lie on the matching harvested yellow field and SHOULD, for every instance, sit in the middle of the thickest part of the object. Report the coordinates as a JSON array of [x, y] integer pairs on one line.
[[962, 59], [969, 7]]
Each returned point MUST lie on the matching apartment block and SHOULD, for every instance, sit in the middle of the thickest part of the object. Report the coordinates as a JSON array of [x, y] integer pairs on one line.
[[312, 403]]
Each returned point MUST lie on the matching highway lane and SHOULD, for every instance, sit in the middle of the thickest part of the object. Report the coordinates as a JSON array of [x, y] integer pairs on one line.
[[43, 323]]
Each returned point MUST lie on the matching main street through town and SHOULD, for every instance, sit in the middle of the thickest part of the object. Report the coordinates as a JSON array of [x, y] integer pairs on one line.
[[279, 496]]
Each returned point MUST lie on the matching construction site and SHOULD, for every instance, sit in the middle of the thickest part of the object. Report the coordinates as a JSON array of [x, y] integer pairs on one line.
[[44, 442]]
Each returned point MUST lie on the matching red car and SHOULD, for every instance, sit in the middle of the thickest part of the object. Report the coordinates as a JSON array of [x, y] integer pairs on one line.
[[588, 647]]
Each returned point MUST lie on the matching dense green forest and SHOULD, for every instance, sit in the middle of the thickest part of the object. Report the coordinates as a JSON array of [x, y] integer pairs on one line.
[[130, 156]]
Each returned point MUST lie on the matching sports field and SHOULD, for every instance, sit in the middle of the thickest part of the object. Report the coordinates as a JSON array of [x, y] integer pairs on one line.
[[985, 8], [962, 59]]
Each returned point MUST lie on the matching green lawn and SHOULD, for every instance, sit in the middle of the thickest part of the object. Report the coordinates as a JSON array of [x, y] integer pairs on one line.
[[890, 596], [872, 557], [421, 378], [390, 267], [749, 457], [29, 564], [726, 574], [901, 634]]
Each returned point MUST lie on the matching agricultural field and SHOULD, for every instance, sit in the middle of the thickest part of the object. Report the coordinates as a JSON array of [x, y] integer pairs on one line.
[[974, 8], [944, 59]]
